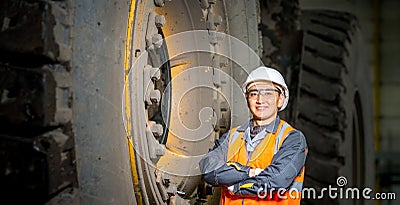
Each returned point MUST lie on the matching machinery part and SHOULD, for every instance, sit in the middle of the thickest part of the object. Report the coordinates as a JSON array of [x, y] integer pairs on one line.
[[334, 108], [279, 24], [243, 19], [49, 24], [86, 90], [49, 169], [206, 68], [147, 76], [189, 64], [68, 93], [152, 167], [159, 3], [160, 21], [36, 136], [65, 86], [282, 43], [99, 36]]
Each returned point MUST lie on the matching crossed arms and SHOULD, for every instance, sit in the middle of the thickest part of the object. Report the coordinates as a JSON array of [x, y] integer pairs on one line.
[[285, 166]]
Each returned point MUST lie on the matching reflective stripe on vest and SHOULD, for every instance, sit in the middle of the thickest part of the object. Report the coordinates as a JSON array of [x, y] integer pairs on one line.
[[267, 148]]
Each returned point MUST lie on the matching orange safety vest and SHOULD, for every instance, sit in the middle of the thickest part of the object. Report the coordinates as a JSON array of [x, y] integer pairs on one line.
[[261, 158]]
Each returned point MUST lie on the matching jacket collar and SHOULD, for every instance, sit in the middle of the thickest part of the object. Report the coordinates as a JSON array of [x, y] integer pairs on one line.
[[272, 127]]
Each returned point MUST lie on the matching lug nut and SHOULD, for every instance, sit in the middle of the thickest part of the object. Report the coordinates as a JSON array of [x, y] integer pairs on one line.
[[153, 73], [156, 129], [217, 20], [159, 3], [213, 21], [157, 40], [155, 96], [160, 21], [204, 4]]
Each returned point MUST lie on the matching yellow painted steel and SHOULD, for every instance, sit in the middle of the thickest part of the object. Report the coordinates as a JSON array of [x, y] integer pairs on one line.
[[127, 64]]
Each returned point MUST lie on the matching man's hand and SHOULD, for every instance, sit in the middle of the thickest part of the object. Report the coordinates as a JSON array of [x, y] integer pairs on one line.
[[254, 172]]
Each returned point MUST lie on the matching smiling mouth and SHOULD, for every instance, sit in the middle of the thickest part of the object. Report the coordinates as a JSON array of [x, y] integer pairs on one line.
[[261, 107]]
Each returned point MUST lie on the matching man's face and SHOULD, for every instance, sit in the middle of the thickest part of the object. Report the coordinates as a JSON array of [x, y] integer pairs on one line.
[[263, 100]]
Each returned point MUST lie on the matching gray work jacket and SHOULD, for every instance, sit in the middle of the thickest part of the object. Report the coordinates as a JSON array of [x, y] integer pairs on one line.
[[285, 166]]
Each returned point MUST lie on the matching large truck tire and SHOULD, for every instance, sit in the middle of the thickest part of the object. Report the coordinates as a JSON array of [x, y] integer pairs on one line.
[[320, 54], [62, 134], [334, 105], [205, 64], [282, 43], [66, 82], [99, 49], [89, 88]]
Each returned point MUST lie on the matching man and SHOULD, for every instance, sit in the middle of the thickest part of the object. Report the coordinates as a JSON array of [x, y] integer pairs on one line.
[[262, 161]]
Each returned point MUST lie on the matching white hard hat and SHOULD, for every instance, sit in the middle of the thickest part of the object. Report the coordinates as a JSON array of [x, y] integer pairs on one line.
[[263, 73]]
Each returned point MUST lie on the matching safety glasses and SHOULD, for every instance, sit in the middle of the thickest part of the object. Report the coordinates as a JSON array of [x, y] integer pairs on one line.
[[263, 93]]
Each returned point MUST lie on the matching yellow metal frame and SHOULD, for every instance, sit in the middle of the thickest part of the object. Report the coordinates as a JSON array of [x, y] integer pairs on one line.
[[127, 64]]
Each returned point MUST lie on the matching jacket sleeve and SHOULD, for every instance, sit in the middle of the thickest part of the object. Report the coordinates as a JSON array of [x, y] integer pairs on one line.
[[285, 166], [217, 171]]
